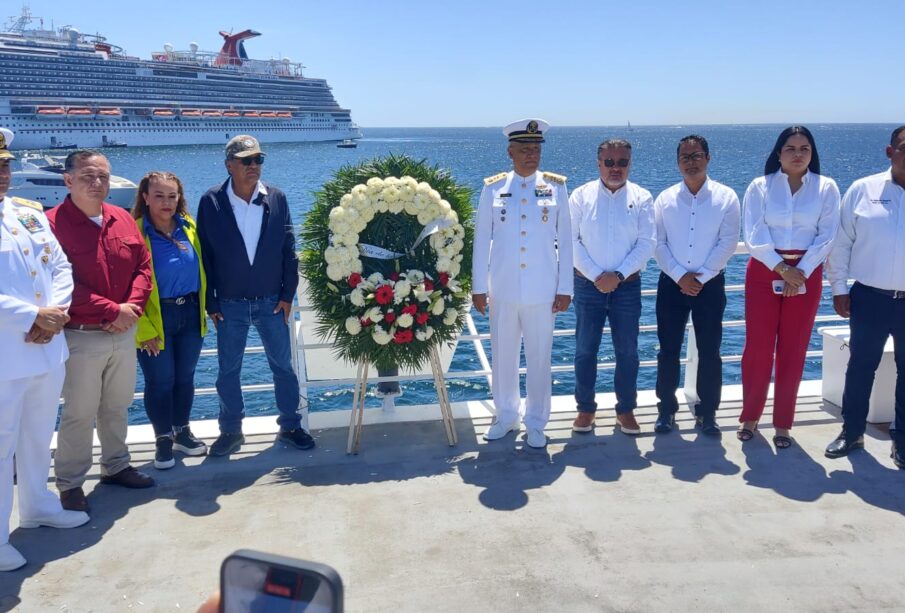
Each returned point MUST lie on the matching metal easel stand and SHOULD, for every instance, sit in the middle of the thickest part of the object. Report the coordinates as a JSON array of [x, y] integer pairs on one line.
[[358, 403]]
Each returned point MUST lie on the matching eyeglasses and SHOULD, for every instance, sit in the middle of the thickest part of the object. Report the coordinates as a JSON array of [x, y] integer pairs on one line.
[[697, 156], [621, 162], [252, 159]]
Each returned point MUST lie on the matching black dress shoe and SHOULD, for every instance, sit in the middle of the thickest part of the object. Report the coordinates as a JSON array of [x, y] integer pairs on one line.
[[898, 455], [128, 477], [707, 424], [298, 438], [665, 423], [842, 447], [227, 443]]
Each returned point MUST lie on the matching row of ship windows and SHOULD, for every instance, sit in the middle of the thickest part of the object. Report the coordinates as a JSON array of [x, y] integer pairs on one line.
[[138, 81], [293, 128], [105, 71], [250, 97], [157, 124]]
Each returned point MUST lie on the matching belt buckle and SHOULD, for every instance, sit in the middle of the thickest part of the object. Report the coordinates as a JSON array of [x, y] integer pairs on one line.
[[181, 300]]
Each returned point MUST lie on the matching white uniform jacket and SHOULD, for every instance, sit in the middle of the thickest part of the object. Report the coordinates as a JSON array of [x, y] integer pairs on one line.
[[523, 240], [34, 272]]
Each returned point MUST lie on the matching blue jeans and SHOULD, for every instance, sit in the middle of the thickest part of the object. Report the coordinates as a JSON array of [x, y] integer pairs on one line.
[[873, 319], [592, 308], [232, 335], [170, 375]]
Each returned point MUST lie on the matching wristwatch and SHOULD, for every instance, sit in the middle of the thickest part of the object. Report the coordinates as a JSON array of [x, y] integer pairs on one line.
[[621, 276], [784, 269]]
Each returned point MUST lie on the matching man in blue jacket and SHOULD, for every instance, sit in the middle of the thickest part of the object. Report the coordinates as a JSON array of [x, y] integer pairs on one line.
[[248, 249]]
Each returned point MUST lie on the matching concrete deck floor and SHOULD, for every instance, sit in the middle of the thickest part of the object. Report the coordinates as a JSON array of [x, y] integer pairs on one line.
[[596, 522]]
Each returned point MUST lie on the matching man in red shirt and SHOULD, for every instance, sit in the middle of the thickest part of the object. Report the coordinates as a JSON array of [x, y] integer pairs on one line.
[[111, 268]]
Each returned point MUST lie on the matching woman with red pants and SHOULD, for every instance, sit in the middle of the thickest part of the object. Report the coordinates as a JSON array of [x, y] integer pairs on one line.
[[790, 219]]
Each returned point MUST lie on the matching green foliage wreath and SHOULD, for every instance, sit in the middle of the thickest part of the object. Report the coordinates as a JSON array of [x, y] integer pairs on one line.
[[386, 252]]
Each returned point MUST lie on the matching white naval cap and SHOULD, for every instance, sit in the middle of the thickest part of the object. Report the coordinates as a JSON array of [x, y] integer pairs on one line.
[[526, 131], [6, 138]]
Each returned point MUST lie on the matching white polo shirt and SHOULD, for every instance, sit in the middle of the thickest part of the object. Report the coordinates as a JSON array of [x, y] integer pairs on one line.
[[870, 245], [696, 232]]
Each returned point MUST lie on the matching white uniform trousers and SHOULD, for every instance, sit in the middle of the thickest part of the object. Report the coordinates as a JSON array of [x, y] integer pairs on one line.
[[28, 414], [509, 324]]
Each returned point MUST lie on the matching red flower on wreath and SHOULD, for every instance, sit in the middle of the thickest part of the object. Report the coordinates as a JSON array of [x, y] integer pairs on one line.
[[428, 285], [394, 276], [354, 280], [444, 279], [390, 317], [422, 318], [411, 309], [366, 322], [384, 294], [403, 336]]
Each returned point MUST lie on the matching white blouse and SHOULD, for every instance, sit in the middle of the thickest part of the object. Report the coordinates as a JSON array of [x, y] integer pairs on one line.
[[774, 218]]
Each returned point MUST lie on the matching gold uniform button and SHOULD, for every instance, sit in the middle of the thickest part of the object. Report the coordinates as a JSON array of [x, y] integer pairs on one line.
[[34, 273], [15, 231], [524, 266], [26, 251], [37, 294]]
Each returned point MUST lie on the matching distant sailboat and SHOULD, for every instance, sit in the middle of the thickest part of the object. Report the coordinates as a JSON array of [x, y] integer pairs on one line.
[[629, 128]]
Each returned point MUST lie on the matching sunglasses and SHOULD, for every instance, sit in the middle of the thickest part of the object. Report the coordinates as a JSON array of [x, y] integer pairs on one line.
[[252, 159], [621, 163], [697, 156]]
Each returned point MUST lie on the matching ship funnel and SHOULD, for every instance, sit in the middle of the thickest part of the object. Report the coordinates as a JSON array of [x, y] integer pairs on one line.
[[193, 47], [74, 35], [168, 47], [286, 60]]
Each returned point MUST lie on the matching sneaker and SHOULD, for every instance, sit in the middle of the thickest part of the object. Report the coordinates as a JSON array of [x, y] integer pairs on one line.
[[627, 423], [10, 558], [665, 423], [298, 438], [185, 442], [64, 519], [163, 457], [391, 394], [584, 422], [498, 430], [707, 424], [227, 443], [536, 438]]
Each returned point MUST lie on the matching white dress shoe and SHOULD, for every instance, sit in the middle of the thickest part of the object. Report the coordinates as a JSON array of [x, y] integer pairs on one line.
[[498, 430], [63, 519], [10, 558], [536, 438]]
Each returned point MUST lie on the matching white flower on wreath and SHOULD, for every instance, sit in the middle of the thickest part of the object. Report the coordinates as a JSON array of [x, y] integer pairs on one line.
[[357, 297], [438, 307], [454, 269], [423, 335], [381, 336], [402, 289], [405, 320], [353, 326], [450, 317], [334, 272], [421, 294], [444, 264], [395, 207], [414, 276], [374, 314], [376, 278]]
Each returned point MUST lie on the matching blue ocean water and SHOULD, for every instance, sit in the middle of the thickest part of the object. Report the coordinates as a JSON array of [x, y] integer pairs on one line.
[[847, 152]]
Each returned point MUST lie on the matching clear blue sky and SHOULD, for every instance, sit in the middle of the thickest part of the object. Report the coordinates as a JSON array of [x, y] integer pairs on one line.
[[485, 63]]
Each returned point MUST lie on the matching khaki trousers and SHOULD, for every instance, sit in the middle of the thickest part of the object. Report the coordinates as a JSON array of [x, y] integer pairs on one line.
[[98, 390]]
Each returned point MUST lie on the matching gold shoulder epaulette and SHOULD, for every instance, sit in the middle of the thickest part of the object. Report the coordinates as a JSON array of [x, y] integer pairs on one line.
[[29, 203], [554, 178], [494, 178]]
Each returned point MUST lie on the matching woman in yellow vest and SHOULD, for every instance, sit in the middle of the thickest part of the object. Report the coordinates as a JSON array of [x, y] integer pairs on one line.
[[172, 328]]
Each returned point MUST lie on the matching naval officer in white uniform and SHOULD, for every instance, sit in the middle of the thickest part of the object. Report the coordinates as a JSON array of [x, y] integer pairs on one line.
[[35, 290], [522, 271]]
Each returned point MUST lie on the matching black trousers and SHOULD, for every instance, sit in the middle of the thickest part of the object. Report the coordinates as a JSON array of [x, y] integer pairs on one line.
[[706, 310]]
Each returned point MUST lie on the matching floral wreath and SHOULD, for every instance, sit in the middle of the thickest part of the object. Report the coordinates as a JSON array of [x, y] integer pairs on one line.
[[386, 254]]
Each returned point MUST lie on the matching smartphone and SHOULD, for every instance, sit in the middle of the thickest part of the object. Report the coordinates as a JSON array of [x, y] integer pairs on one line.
[[257, 582], [778, 286]]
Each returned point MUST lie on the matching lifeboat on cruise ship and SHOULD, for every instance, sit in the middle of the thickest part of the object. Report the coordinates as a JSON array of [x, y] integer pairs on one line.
[[268, 115], [51, 111], [251, 114], [284, 114], [109, 112], [79, 111], [190, 113], [211, 114], [232, 114], [162, 113]]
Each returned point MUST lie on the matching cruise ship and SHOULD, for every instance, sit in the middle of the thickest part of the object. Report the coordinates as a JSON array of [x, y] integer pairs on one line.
[[61, 88]]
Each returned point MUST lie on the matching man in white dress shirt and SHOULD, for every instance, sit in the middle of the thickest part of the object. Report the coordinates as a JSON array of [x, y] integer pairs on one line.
[[35, 291], [522, 267], [613, 237], [698, 222], [870, 247]]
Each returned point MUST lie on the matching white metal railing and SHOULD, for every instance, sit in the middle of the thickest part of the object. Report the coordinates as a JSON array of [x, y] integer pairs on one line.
[[477, 339]]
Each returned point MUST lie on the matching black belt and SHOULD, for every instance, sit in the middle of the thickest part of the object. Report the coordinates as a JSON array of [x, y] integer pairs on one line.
[[632, 277], [193, 297], [895, 294]]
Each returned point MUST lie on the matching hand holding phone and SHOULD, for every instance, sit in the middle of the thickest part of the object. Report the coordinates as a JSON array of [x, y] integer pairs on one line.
[[780, 285], [252, 581]]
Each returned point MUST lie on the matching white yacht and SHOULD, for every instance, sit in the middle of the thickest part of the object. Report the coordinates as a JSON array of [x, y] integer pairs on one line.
[[40, 178]]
